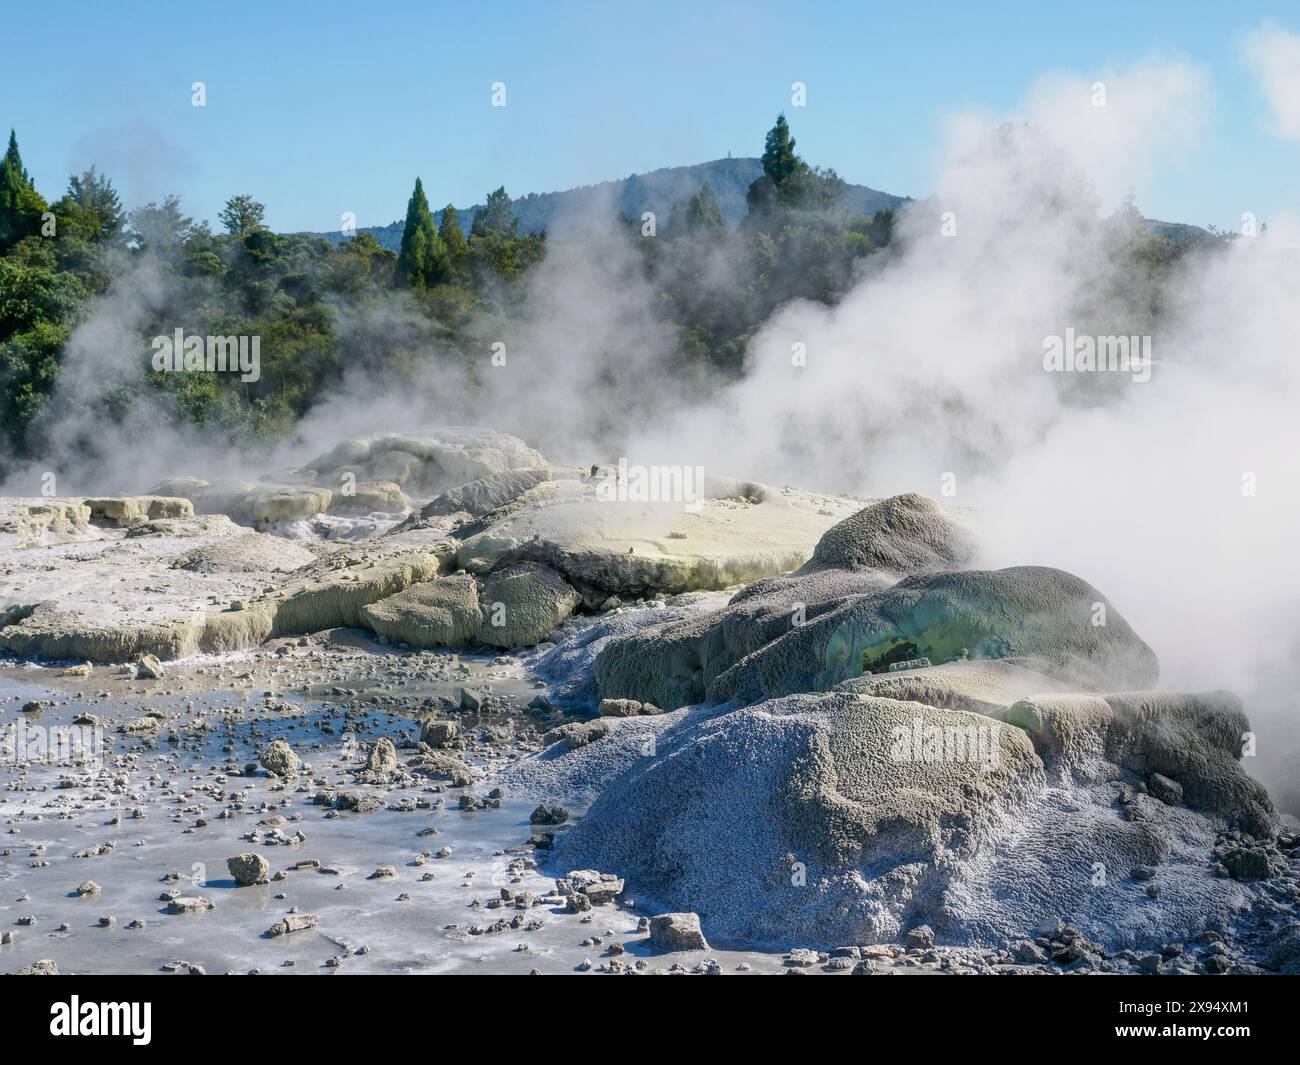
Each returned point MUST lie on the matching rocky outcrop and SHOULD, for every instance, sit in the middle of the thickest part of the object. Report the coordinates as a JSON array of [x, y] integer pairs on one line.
[[522, 603], [674, 665], [55, 520], [1185, 749], [131, 510], [821, 819], [443, 612], [1026, 611], [726, 534], [492, 492]]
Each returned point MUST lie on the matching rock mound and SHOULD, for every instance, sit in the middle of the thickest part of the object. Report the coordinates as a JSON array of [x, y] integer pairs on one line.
[[867, 552], [817, 820], [1024, 611], [904, 535], [522, 603], [443, 612]]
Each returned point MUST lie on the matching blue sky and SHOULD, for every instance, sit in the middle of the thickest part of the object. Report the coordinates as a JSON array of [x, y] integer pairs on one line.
[[320, 108]]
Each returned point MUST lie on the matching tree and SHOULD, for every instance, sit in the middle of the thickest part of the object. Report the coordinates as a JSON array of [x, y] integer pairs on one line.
[[497, 218], [422, 259], [788, 182], [698, 215], [452, 235], [242, 215], [160, 228], [21, 205], [14, 160], [779, 159], [94, 205]]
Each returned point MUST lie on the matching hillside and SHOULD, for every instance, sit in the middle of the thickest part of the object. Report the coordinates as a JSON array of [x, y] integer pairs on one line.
[[655, 191]]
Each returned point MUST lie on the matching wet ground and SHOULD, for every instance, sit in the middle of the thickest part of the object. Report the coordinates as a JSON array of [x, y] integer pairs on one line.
[[157, 811]]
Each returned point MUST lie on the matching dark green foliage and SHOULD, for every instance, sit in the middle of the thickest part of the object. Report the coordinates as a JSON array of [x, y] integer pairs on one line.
[[21, 206], [423, 260], [779, 160], [91, 208]]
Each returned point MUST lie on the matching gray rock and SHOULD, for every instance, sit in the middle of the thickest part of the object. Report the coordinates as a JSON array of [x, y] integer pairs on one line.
[[249, 868], [598, 887], [438, 733], [44, 967], [382, 757], [919, 938], [619, 708], [1169, 792], [522, 603], [1026, 952], [294, 922], [149, 668], [190, 904], [548, 815], [279, 760], [677, 931]]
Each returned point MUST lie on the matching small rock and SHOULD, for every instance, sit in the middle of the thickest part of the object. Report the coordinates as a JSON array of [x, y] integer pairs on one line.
[[383, 757], [677, 931], [279, 759], [548, 815], [294, 922], [919, 938], [249, 869]]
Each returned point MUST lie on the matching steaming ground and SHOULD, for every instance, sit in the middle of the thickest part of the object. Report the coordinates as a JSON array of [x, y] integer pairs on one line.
[[815, 730]]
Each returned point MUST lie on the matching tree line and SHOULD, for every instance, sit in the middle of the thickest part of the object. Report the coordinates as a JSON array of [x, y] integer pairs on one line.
[[308, 297]]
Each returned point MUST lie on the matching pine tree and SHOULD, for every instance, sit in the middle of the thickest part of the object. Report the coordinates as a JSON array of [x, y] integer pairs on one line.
[[787, 181], [15, 160], [422, 260], [779, 159], [21, 206], [452, 235]]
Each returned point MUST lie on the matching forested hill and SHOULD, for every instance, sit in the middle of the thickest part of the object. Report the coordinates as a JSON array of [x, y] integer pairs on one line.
[[657, 191]]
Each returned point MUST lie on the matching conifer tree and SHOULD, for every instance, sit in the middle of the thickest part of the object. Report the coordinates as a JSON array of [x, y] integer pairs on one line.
[[422, 260], [21, 206], [452, 235]]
